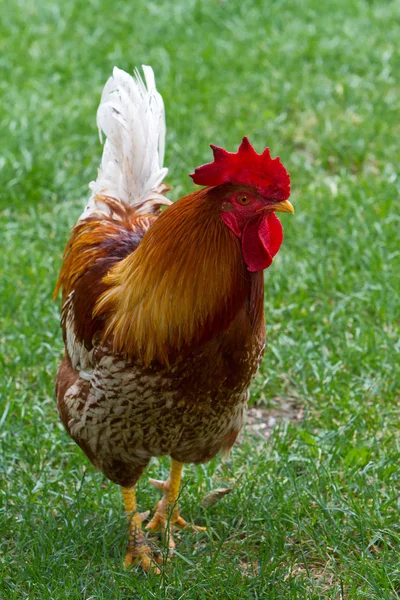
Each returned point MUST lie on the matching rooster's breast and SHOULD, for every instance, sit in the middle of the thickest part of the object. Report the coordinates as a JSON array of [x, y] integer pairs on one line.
[[189, 410]]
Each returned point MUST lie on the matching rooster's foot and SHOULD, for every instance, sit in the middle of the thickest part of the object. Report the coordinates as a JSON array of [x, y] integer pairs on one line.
[[139, 552], [166, 517]]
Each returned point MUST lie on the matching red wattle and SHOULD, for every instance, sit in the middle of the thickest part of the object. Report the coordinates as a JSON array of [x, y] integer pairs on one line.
[[261, 240], [276, 233]]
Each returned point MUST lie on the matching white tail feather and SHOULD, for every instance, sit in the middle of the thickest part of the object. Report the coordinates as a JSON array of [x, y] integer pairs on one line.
[[131, 115]]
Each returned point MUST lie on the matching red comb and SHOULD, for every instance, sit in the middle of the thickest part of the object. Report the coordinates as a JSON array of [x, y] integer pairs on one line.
[[247, 167]]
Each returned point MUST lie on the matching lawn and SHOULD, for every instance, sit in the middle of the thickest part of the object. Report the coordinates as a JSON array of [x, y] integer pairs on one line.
[[314, 511]]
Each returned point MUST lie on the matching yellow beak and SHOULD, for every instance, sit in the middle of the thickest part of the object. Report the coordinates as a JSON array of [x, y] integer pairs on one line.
[[284, 206]]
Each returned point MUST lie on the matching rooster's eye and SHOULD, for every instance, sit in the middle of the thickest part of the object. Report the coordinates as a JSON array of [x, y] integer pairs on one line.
[[243, 200]]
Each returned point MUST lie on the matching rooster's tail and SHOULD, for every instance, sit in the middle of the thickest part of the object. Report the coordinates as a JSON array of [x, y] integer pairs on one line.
[[131, 115]]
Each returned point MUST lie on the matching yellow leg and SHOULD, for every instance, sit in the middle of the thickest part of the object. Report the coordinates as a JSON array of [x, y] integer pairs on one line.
[[167, 512], [138, 550]]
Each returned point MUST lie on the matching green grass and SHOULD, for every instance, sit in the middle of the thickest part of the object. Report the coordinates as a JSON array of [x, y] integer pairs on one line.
[[314, 512]]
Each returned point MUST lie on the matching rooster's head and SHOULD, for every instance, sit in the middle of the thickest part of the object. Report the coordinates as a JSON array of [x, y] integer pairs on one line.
[[252, 187]]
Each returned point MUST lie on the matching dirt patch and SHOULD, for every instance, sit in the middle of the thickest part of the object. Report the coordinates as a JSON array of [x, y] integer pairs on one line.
[[260, 422], [318, 578]]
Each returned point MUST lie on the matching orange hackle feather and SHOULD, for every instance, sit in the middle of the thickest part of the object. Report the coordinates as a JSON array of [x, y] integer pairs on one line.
[[86, 247], [182, 285]]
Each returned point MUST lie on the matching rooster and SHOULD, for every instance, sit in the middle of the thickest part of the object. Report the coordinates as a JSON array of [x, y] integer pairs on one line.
[[162, 304]]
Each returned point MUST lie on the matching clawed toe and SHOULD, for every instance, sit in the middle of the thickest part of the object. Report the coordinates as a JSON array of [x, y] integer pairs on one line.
[[180, 522], [144, 558]]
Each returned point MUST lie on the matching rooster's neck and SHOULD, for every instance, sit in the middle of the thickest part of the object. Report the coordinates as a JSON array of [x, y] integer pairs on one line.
[[184, 284]]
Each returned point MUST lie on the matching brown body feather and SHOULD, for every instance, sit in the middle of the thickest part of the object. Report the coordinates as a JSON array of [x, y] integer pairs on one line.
[[164, 330]]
